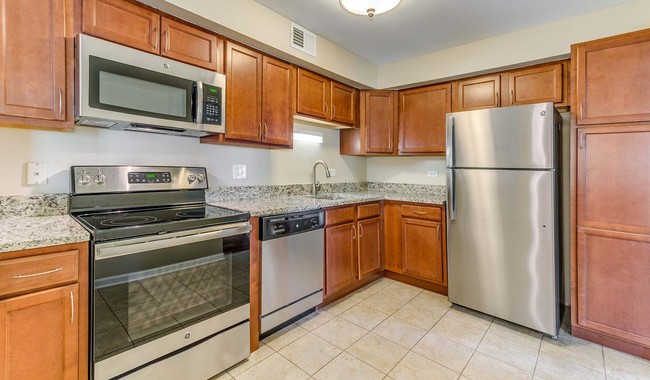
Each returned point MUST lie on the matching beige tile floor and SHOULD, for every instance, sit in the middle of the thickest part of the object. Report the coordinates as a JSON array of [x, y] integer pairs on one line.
[[391, 330]]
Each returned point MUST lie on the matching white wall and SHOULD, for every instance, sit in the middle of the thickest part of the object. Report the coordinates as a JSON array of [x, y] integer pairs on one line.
[[92, 146], [406, 170], [526, 45]]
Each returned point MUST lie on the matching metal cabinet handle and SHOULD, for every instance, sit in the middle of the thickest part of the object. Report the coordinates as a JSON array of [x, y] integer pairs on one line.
[[38, 274], [60, 101], [354, 232], [581, 140], [155, 38], [390, 144], [266, 131], [512, 96], [360, 230], [71, 307], [498, 100], [581, 107], [438, 231], [259, 130], [326, 108], [420, 212], [166, 45], [333, 110]]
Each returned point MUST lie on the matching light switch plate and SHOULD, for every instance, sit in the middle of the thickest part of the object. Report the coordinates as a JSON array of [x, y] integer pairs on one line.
[[432, 173], [332, 172], [239, 171], [37, 173]]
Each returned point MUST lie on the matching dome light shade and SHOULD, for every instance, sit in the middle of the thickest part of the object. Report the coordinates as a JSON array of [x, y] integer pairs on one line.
[[369, 7]]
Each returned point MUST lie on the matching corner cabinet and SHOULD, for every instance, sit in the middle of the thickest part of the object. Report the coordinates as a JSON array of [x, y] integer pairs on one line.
[[127, 23], [47, 288], [415, 240], [36, 62], [377, 132], [325, 99], [353, 248], [259, 100], [422, 119], [610, 231]]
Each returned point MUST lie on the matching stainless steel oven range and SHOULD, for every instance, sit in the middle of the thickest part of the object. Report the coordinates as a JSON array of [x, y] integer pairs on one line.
[[170, 274]]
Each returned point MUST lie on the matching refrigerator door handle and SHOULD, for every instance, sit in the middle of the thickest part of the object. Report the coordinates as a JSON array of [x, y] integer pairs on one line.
[[451, 194], [451, 136]]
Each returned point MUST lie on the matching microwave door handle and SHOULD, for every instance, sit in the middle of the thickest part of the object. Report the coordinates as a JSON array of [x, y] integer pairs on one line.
[[193, 103], [198, 102]]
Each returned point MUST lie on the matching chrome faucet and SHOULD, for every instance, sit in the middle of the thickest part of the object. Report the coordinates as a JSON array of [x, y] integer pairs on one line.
[[315, 186]]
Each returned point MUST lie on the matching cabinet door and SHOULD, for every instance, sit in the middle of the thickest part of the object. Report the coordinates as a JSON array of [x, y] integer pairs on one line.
[[190, 45], [613, 278], [613, 178], [369, 247], [477, 93], [378, 120], [392, 237], [340, 253], [343, 103], [33, 59], [537, 85], [313, 95], [39, 335], [422, 249], [122, 22], [277, 107], [422, 119], [243, 93], [613, 79]]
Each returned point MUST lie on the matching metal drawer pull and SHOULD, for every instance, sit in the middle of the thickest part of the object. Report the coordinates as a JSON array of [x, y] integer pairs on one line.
[[60, 111], [333, 111], [155, 38], [37, 274], [354, 232], [71, 307], [326, 108], [420, 212], [164, 37]]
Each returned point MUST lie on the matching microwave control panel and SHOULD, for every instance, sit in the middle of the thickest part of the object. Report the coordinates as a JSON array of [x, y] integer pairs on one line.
[[212, 101]]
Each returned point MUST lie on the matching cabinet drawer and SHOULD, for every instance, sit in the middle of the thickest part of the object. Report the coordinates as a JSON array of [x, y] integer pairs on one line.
[[18, 275], [339, 215], [422, 212], [368, 211]]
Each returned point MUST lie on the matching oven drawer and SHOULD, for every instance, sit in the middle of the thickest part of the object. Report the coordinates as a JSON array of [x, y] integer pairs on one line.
[[37, 272]]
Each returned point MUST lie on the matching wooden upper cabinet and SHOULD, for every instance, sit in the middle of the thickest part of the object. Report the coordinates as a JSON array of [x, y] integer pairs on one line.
[[621, 157], [538, 84], [343, 103], [477, 93], [313, 94], [123, 22], [379, 120], [190, 45], [612, 81], [422, 120], [277, 101], [243, 93], [33, 60], [39, 335]]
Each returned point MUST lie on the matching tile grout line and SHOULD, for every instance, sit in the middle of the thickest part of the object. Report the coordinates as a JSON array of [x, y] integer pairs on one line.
[[476, 349]]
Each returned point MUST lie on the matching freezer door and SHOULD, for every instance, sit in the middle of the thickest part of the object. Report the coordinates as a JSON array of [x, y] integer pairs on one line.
[[502, 251], [520, 137]]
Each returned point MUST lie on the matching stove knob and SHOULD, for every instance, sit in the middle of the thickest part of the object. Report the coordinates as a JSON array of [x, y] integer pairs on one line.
[[191, 178], [100, 179], [84, 179], [200, 177]]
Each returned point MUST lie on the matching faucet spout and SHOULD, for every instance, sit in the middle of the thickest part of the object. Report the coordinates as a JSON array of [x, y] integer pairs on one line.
[[315, 186]]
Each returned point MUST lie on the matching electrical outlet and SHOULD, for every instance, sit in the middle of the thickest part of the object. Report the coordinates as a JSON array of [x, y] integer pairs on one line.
[[37, 173], [432, 173], [332, 172], [239, 171]]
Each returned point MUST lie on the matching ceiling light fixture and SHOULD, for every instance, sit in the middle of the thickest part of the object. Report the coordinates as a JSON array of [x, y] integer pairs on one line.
[[369, 7]]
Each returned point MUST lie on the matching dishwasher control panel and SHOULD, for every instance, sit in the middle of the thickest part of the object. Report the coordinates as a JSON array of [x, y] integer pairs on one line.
[[276, 226]]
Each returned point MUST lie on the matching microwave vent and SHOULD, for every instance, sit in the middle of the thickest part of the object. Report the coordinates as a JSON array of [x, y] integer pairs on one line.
[[302, 39]]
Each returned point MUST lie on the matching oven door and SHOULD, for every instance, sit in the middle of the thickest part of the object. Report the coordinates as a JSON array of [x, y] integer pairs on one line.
[[154, 296]]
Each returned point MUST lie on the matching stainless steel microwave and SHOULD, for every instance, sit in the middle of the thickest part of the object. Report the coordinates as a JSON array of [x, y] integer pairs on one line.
[[118, 87]]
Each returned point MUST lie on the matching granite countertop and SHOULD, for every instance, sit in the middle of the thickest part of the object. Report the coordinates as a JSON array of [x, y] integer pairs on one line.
[[277, 205], [25, 232]]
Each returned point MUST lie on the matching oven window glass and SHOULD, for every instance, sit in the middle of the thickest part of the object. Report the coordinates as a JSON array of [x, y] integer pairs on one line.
[[143, 296], [122, 91]]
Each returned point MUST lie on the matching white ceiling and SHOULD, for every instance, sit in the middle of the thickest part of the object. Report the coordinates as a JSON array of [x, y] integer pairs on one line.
[[417, 27]]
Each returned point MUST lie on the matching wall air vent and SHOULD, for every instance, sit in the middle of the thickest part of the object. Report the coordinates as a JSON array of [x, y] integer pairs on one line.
[[302, 39]]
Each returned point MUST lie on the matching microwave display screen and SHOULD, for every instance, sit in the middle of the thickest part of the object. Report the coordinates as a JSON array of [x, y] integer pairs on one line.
[[133, 93]]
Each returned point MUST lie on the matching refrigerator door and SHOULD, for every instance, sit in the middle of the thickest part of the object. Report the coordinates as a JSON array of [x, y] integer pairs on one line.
[[502, 251], [518, 137]]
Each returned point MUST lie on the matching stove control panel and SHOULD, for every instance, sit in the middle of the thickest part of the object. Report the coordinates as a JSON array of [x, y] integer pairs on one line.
[[113, 179]]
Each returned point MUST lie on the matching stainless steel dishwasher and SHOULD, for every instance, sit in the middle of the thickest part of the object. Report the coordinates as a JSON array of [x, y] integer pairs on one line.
[[292, 261]]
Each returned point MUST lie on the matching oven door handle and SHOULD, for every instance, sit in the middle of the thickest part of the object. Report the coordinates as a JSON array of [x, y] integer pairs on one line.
[[165, 241]]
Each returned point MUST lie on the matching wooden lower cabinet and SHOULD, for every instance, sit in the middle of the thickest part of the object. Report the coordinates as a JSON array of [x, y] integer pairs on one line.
[[353, 247], [39, 335], [44, 313], [415, 244]]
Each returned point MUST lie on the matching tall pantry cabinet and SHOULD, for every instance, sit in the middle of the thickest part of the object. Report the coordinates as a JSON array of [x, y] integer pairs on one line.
[[610, 222]]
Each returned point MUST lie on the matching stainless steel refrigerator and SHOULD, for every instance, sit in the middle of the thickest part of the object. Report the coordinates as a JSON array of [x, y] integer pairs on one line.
[[503, 210]]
